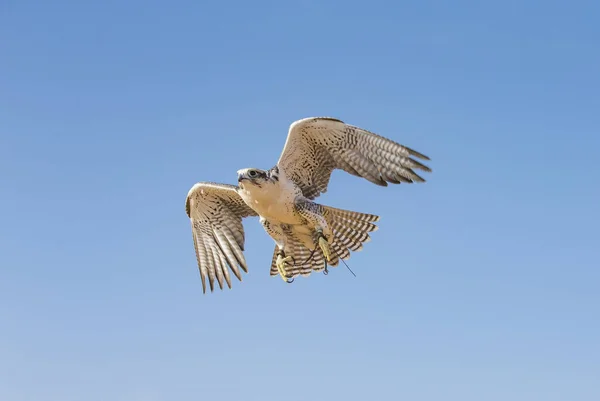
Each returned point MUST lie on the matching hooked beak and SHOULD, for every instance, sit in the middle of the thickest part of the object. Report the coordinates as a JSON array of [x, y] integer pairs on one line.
[[241, 176]]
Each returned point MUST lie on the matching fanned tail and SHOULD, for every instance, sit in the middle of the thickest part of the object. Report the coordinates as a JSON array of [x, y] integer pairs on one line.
[[350, 231]]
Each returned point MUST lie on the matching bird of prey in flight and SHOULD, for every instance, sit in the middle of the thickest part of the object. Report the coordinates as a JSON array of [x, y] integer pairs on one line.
[[308, 235]]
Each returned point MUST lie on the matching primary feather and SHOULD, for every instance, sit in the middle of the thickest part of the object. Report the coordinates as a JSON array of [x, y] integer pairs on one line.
[[216, 212], [317, 146]]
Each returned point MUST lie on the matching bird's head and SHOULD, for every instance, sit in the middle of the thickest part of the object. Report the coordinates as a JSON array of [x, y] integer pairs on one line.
[[253, 177]]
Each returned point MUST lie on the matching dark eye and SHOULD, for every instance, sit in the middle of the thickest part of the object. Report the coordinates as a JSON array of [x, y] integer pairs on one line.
[[252, 173]]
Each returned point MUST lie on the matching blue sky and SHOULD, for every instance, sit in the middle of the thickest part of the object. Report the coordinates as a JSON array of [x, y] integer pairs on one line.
[[481, 284]]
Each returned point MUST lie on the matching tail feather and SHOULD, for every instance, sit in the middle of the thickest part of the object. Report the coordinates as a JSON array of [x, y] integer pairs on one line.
[[350, 231], [304, 262], [347, 239], [340, 251], [364, 226], [350, 215]]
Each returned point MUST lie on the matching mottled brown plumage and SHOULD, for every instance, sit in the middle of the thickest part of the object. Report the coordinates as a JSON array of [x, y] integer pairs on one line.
[[308, 235], [216, 212], [317, 146]]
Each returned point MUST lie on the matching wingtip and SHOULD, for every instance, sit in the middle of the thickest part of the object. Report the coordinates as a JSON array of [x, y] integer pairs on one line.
[[421, 166], [237, 273], [420, 155]]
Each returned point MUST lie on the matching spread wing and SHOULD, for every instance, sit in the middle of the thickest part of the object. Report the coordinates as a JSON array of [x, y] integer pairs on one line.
[[316, 146], [216, 212]]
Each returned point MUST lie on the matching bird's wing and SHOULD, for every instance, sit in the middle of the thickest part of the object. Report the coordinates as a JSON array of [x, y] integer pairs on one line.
[[316, 146], [216, 212]]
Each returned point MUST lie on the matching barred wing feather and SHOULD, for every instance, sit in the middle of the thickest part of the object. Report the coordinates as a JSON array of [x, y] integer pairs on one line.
[[216, 212], [317, 146]]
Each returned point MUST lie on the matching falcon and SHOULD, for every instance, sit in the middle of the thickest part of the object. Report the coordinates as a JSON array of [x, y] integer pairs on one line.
[[308, 236]]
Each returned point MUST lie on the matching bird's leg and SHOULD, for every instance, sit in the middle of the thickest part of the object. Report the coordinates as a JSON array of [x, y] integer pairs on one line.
[[323, 244], [313, 213], [280, 263], [276, 232]]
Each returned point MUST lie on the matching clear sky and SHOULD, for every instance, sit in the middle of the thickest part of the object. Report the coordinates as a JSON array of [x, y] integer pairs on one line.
[[482, 284]]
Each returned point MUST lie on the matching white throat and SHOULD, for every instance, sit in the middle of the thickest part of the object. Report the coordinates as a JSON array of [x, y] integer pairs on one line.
[[273, 200]]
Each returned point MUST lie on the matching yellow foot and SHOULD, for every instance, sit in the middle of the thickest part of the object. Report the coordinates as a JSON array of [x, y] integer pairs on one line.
[[280, 263], [325, 248]]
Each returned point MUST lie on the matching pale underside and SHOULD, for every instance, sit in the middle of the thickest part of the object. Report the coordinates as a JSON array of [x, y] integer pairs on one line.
[[314, 148]]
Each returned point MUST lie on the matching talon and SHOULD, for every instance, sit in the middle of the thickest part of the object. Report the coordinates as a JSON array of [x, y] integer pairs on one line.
[[280, 263], [325, 247]]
